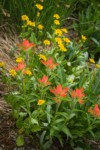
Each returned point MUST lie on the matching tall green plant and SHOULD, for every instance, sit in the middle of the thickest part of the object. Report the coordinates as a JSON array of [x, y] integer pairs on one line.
[[18, 8], [88, 14]]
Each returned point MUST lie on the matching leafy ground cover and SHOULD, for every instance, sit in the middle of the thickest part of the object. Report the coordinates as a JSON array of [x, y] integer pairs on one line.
[[53, 86]]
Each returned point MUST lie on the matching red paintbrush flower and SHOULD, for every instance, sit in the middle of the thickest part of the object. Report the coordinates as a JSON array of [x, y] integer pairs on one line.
[[49, 63], [97, 110], [78, 93], [44, 80], [26, 45], [20, 66], [59, 91]]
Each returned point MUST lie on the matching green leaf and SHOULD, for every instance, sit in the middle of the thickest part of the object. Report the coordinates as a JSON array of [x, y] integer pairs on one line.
[[49, 117], [36, 128], [22, 114], [34, 121], [71, 115], [95, 41], [20, 140], [49, 35], [66, 131], [48, 108], [42, 137], [59, 120], [48, 113], [33, 38], [60, 73], [64, 114]]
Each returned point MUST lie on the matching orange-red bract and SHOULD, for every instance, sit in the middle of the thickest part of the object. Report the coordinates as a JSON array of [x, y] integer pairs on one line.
[[26, 45], [49, 63], [95, 111], [59, 91], [20, 66], [44, 80], [78, 93]]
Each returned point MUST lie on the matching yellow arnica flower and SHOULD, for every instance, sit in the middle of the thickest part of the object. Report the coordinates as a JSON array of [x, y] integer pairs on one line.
[[40, 102], [33, 24], [24, 17], [46, 42], [28, 72], [62, 47], [97, 65], [64, 30], [71, 80], [58, 32], [40, 7], [43, 57], [92, 60], [58, 40], [12, 72], [19, 59], [40, 26], [56, 22], [30, 23], [2, 64], [38, 14], [83, 38], [56, 16], [67, 40]]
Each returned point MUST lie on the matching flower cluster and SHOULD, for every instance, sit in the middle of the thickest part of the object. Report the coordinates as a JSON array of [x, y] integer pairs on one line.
[[39, 6], [27, 22], [26, 45], [56, 21], [12, 72], [83, 38], [95, 111], [40, 26], [43, 57], [44, 80], [49, 63], [59, 92], [79, 94], [46, 42]]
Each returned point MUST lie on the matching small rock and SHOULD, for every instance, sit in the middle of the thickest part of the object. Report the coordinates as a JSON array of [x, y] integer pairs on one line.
[[1, 148]]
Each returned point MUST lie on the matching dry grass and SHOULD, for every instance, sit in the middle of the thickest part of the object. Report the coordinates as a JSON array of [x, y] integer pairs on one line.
[[8, 40]]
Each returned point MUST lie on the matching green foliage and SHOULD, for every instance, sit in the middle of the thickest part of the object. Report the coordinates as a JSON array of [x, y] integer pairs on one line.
[[51, 92], [88, 24], [20, 141], [18, 8]]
